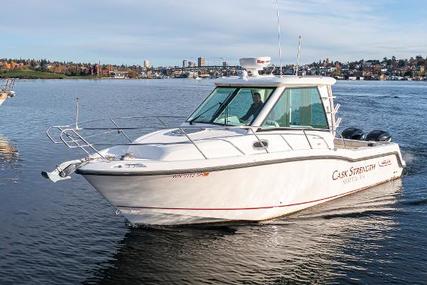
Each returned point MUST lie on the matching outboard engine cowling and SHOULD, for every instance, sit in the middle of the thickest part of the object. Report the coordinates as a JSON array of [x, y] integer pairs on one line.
[[353, 134], [378, 136]]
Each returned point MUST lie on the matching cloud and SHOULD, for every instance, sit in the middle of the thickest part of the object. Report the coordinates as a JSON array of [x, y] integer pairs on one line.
[[167, 31]]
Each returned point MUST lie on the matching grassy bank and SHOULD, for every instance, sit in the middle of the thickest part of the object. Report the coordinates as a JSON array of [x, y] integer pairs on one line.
[[30, 74], [33, 74]]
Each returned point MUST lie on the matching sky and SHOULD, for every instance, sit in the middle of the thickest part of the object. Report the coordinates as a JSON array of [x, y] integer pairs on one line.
[[167, 31]]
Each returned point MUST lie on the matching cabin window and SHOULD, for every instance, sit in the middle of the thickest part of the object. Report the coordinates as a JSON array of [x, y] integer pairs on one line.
[[206, 111], [298, 107], [232, 106], [244, 107]]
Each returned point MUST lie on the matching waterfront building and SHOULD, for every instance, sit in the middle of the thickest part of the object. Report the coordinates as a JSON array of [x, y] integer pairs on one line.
[[201, 61]]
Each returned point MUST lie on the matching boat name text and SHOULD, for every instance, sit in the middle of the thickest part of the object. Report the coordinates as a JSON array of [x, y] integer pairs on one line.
[[352, 171]]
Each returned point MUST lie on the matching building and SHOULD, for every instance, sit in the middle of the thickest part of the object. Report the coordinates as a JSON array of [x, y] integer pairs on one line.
[[224, 64], [147, 64], [201, 62], [185, 63]]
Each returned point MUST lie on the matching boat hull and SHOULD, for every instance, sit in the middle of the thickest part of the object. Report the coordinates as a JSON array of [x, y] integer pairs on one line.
[[3, 97], [253, 193]]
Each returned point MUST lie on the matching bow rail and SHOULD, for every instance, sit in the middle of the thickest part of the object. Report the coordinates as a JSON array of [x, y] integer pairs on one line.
[[79, 136]]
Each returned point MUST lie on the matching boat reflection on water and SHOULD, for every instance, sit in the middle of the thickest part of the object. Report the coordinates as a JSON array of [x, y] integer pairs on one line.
[[8, 152], [338, 241]]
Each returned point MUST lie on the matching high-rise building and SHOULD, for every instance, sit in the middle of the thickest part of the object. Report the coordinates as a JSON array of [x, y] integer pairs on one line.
[[185, 63], [224, 64], [201, 61], [147, 64]]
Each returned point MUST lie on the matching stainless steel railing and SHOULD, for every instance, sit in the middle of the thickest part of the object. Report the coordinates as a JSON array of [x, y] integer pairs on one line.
[[72, 137]]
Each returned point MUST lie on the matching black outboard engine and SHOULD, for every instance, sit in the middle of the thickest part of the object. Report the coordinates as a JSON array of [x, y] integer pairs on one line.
[[378, 136], [353, 134]]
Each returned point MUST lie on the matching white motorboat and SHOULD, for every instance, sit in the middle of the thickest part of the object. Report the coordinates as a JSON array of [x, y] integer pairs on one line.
[[257, 148], [6, 90]]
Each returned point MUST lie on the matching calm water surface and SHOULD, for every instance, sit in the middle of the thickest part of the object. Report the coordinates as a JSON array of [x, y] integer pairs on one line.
[[66, 233]]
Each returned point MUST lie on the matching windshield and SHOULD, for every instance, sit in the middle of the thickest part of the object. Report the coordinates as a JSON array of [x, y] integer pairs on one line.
[[231, 106]]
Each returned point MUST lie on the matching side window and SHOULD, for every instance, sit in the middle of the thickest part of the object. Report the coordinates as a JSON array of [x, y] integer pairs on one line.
[[298, 107]]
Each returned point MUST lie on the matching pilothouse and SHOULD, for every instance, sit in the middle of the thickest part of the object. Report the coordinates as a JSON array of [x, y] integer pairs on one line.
[[258, 147]]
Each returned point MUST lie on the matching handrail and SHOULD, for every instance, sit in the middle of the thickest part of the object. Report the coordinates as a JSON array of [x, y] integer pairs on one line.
[[131, 117], [188, 137], [286, 141], [222, 138], [121, 131], [72, 137], [76, 142], [8, 85], [293, 129], [305, 134], [343, 140], [62, 127]]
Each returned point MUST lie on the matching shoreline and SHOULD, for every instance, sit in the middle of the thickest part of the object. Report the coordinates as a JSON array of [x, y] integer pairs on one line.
[[176, 78], [43, 75]]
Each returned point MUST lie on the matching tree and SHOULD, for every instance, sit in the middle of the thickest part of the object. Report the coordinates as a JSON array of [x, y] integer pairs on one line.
[[133, 74], [401, 63]]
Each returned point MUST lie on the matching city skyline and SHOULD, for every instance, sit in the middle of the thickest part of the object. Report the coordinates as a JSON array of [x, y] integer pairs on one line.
[[167, 32]]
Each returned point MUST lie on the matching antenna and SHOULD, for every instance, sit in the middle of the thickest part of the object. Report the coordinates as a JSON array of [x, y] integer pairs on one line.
[[298, 54], [278, 36], [77, 113]]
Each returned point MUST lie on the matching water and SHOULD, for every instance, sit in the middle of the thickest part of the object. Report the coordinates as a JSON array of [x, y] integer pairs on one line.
[[66, 233]]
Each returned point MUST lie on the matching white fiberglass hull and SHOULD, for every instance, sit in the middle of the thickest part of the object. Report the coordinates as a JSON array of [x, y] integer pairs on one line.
[[3, 97], [254, 193]]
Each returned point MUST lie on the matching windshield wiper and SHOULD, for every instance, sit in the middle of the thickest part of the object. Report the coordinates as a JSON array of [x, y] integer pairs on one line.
[[207, 110]]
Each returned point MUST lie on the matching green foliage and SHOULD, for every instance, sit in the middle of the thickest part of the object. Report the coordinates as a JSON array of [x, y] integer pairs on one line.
[[34, 74], [30, 74]]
